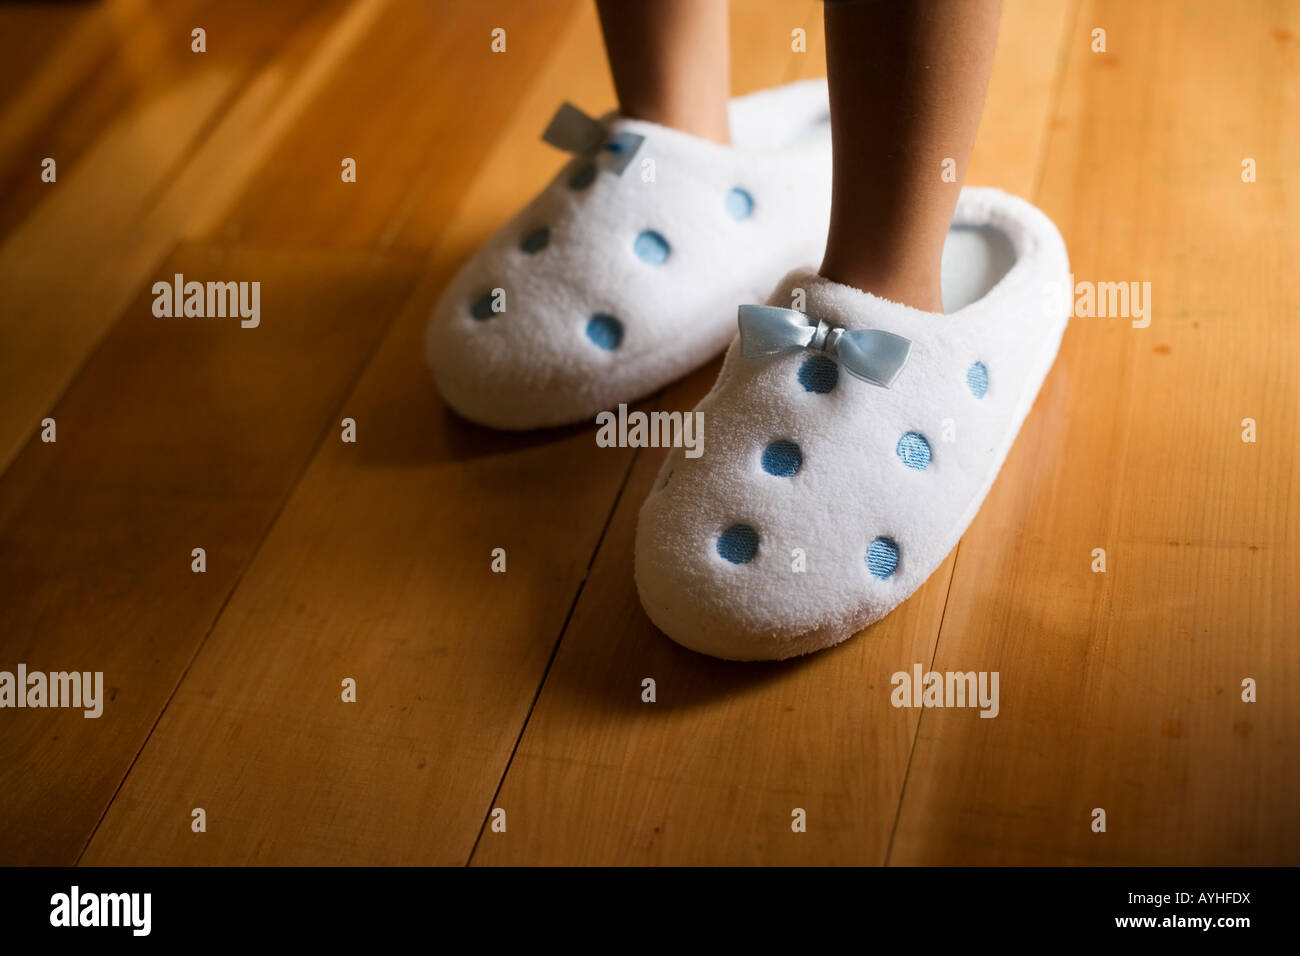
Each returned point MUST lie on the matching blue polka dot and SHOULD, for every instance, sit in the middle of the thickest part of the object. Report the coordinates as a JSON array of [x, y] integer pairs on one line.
[[536, 240], [606, 331], [740, 204], [482, 307], [584, 177], [651, 247], [977, 377], [819, 374], [914, 450], [782, 458], [882, 557], [738, 544]]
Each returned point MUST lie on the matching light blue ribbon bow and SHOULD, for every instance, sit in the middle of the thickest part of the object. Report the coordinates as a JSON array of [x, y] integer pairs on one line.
[[575, 132], [873, 355]]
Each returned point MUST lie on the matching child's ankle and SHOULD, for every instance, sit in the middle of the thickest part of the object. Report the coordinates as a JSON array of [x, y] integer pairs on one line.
[[922, 292], [709, 124]]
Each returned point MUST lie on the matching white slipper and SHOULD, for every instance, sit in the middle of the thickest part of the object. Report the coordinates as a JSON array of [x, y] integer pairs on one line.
[[866, 487], [624, 273]]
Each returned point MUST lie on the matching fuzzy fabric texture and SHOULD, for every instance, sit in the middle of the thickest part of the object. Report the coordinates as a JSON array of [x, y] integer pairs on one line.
[[872, 486], [614, 286]]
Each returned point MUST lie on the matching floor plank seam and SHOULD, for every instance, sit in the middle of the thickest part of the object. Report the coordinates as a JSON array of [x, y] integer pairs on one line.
[[916, 735], [90, 838], [397, 222], [1054, 98], [1072, 18], [555, 650], [326, 430], [91, 354]]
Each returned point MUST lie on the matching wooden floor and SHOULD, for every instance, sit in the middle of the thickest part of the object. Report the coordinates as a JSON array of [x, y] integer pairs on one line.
[[521, 691]]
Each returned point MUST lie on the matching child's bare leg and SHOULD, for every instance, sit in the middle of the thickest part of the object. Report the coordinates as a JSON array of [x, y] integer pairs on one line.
[[907, 83], [670, 62]]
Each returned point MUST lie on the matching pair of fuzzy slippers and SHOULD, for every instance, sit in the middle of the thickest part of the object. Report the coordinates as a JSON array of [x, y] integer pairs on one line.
[[850, 440]]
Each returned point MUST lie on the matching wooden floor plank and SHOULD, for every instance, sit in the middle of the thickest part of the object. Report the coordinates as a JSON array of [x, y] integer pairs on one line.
[[379, 569], [115, 61], [1122, 690], [582, 78], [145, 142], [416, 104], [50, 49], [124, 135], [180, 433], [712, 771]]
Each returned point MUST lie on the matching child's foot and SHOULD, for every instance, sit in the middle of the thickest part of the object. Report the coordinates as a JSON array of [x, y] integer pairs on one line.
[[621, 275], [841, 467]]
